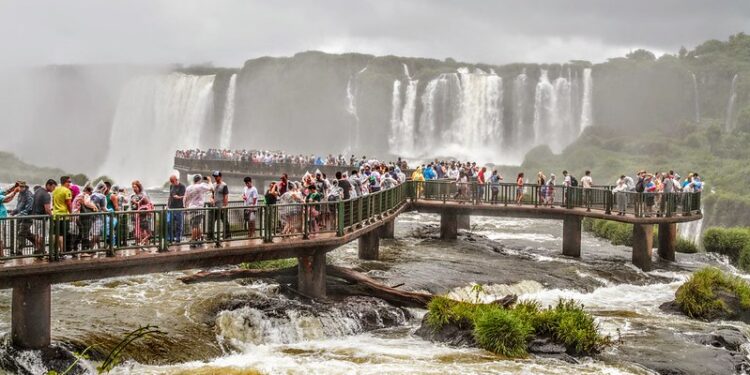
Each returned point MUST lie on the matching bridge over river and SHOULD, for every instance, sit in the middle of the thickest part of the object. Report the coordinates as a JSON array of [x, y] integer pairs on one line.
[[128, 243]]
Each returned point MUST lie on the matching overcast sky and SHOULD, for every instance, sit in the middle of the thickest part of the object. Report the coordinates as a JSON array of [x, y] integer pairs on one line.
[[228, 32]]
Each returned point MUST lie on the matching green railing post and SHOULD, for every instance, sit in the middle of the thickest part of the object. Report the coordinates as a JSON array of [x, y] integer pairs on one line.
[[340, 218], [164, 230], [111, 233], [305, 221], [608, 202]]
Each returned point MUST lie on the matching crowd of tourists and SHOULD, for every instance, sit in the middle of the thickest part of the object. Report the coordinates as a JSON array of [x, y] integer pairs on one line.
[[59, 199], [89, 232], [276, 157]]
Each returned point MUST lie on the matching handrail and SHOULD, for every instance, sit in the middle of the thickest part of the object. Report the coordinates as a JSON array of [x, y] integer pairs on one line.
[[56, 237]]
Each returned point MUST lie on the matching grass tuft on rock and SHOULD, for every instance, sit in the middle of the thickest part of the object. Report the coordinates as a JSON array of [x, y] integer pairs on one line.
[[699, 296], [503, 332], [508, 331], [684, 245]]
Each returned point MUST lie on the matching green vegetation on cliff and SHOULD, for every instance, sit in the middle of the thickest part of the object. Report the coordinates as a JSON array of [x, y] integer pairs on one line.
[[508, 331]]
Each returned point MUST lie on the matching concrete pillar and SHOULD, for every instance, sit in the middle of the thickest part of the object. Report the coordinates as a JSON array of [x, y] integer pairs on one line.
[[667, 240], [643, 241], [464, 222], [311, 275], [30, 315], [448, 225], [572, 236], [388, 229], [369, 245]]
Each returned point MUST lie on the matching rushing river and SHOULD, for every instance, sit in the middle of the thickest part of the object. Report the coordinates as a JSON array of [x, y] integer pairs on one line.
[[248, 327]]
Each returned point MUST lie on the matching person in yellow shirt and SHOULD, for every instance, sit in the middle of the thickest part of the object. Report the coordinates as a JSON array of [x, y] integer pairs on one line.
[[62, 202]]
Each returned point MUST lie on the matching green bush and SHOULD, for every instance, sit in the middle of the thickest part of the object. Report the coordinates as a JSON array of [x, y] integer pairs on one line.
[[503, 332], [617, 233], [726, 241], [697, 297], [744, 261], [685, 246]]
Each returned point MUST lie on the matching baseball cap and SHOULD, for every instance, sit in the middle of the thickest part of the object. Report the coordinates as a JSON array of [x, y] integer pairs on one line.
[[216, 174]]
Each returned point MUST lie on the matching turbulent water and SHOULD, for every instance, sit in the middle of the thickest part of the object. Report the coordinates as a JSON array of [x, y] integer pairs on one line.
[[251, 326]]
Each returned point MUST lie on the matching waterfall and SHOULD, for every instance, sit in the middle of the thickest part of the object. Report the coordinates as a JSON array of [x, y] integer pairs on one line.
[[155, 116], [565, 130], [479, 122], [544, 107], [351, 108], [586, 107], [520, 133], [692, 230], [696, 99], [228, 120], [729, 124], [394, 137], [403, 119]]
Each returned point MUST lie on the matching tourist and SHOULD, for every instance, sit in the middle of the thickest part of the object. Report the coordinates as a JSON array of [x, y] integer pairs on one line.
[[24, 207], [100, 228], [462, 185], [344, 185], [541, 185], [195, 198], [62, 205], [481, 181], [42, 207], [388, 182], [139, 201], [549, 191], [519, 188], [587, 182], [5, 197], [175, 215], [283, 184], [250, 199], [83, 206], [495, 179], [272, 194], [355, 183], [219, 216], [621, 195], [314, 209]]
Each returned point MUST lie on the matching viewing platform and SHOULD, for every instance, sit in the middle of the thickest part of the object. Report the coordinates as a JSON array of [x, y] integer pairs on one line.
[[127, 243]]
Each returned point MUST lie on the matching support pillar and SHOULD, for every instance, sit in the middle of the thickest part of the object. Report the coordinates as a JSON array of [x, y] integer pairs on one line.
[[572, 236], [388, 229], [643, 241], [448, 225], [464, 222], [30, 315], [311, 275], [667, 241], [369, 245]]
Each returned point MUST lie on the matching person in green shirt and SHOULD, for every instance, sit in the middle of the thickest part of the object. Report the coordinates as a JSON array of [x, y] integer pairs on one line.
[[313, 197], [62, 203]]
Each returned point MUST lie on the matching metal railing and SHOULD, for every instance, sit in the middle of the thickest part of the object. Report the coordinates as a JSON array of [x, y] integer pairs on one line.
[[598, 198], [107, 233]]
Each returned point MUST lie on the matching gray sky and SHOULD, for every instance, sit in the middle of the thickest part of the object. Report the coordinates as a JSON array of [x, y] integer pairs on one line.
[[228, 32]]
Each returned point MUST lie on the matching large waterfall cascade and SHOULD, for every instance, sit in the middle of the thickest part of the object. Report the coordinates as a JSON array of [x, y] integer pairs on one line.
[[155, 116], [461, 114], [352, 91], [729, 122], [228, 120]]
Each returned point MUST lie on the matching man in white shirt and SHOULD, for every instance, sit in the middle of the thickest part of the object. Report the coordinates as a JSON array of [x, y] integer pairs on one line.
[[587, 182], [195, 198], [250, 199]]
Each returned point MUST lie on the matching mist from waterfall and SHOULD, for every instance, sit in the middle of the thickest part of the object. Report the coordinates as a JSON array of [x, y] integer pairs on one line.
[[696, 99], [403, 119], [395, 138], [155, 116], [586, 106], [228, 121], [545, 102], [729, 122]]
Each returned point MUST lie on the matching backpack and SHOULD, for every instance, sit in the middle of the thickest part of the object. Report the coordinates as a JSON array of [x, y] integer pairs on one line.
[[639, 187], [573, 181]]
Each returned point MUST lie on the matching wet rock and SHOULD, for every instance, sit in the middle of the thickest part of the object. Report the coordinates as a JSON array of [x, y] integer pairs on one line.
[[450, 334], [545, 347], [728, 338], [733, 310], [34, 362], [673, 353]]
